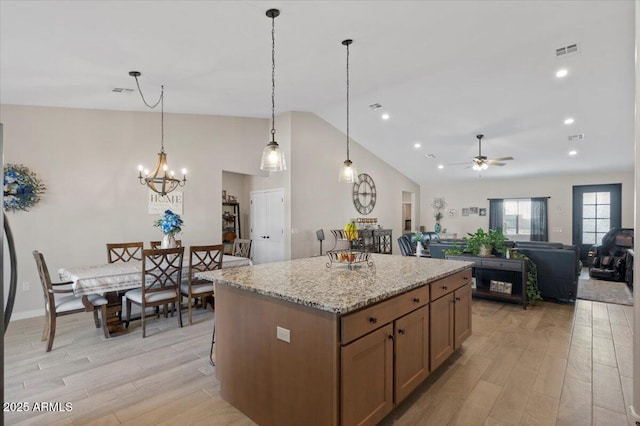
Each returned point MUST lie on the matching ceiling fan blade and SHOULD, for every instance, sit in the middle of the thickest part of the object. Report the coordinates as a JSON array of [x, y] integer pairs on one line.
[[496, 164], [501, 159]]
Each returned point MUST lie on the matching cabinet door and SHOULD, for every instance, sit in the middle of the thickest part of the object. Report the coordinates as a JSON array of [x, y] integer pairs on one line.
[[367, 378], [441, 338], [462, 322], [411, 352]]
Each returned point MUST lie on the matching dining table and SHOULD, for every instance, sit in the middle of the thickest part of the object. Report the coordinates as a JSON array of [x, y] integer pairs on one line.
[[111, 279]]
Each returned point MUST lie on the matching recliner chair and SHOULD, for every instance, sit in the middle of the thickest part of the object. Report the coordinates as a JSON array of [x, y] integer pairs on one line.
[[610, 258]]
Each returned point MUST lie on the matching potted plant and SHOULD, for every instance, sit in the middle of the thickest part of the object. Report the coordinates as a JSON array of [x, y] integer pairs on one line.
[[483, 243]]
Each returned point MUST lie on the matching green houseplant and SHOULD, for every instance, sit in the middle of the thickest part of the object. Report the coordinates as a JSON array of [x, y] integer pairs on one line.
[[483, 243]]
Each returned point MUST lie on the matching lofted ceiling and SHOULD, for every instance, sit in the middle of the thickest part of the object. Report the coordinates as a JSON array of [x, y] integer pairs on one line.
[[443, 71]]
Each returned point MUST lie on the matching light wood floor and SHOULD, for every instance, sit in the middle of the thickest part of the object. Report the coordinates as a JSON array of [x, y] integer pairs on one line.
[[551, 364]]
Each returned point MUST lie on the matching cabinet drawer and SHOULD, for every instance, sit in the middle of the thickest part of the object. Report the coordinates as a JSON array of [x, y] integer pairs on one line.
[[448, 284], [501, 264], [364, 321]]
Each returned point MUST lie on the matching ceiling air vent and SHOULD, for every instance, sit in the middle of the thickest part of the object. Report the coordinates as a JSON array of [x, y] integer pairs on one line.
[[375, 107], [430, 155], [567, 50], [577, 137], [121, 90]]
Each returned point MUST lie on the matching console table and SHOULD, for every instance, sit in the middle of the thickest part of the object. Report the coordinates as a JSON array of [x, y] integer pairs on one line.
[[486, 269]]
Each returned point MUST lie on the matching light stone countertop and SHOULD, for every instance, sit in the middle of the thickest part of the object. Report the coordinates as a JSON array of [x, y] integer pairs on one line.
[[337, 289]]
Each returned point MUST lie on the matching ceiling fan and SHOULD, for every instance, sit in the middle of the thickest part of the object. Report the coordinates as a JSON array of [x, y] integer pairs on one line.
[[481, 162]]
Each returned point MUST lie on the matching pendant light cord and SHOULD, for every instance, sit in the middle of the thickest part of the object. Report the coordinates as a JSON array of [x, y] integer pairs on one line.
[[347, 101], [273, 78], [161, 102]]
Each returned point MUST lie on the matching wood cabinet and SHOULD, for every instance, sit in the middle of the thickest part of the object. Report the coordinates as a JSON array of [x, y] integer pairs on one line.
[[450, 319], [462, 315], [336, 369], [442, 343], [367, 378], [381, 368], [411, 339]]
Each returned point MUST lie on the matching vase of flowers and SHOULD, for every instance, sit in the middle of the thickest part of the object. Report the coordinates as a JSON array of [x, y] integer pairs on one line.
[[418, 238], [438, 207], [170, 223]]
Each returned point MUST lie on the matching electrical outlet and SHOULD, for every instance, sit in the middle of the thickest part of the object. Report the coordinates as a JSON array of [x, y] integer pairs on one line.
[[26, 286], [283, 334]]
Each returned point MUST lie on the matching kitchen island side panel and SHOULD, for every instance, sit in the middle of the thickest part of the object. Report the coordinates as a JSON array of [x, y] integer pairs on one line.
[[271, 381]]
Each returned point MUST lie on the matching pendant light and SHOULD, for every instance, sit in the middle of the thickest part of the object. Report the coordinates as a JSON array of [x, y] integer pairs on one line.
[[272, 155], [160, 180], [348, 172]]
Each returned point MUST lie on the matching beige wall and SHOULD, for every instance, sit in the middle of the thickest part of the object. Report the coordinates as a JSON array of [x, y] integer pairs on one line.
[[319, 200], [559, 188], [88, 160]]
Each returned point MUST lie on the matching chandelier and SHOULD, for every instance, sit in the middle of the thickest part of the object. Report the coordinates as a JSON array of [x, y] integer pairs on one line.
[[348, 172], [161, 180], [272, 156]]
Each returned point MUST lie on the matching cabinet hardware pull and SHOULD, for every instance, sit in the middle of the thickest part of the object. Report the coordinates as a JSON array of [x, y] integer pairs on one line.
[[401, 331], [457, 299], [416, 300], [391, 337], [373, 320], [444, 287]]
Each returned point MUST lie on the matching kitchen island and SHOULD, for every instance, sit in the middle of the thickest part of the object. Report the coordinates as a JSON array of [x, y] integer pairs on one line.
[[300, 343]]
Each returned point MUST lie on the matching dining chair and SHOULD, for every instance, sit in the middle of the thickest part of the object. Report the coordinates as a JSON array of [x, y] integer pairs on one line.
[[161, 278], [157, 244], [59, 300], [241, 248], [201, 258], [124, 252]]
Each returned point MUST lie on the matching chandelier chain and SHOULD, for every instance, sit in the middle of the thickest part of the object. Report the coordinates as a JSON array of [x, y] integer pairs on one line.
[[273, 77], [161, 102]]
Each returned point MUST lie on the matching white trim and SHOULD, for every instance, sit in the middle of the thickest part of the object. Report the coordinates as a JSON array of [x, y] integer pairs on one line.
[[634, 415]]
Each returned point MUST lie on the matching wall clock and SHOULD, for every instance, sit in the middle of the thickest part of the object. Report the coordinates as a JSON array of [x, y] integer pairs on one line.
[[364, 194]]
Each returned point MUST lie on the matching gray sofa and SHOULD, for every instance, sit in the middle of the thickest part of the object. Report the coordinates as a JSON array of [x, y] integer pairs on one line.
[[558, 265]]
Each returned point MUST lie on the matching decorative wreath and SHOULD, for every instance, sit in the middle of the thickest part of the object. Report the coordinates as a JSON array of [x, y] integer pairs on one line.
[[22, 188]]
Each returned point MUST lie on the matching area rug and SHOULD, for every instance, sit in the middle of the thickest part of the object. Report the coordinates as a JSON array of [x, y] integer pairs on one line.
[[604, 291]]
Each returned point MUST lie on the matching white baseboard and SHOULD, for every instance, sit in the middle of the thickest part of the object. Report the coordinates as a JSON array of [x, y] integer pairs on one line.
[[634, 415], [27, 314]]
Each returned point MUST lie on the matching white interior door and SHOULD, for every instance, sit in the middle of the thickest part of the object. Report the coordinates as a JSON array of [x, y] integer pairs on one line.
[[267, 226]]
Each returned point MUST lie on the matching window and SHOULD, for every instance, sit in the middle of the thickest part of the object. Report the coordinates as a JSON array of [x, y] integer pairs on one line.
[[523, 219], [596, 216], [516, 223]]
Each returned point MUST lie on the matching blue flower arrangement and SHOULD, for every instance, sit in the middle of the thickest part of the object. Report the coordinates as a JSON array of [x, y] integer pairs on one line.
[[170, 223], [22, 188]]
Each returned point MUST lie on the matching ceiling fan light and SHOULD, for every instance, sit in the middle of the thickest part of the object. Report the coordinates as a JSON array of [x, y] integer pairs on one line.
[[484, 166], [476, 167]]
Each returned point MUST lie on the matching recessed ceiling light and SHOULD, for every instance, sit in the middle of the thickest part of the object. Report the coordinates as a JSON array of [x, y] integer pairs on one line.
[[385, 116], [441, 166], [562, 73], [569, 121], [417, 145], [573, 152]]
